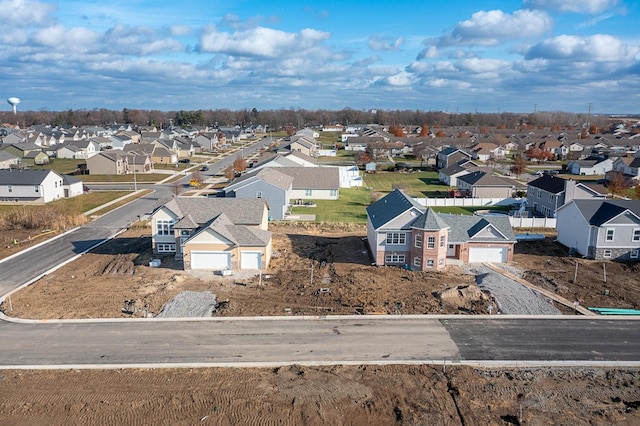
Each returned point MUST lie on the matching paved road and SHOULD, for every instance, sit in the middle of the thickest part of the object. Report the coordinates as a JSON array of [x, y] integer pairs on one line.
[[318, 341]]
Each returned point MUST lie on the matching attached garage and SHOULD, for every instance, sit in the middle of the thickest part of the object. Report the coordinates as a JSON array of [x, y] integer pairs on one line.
[[215, 260], [487, 254], [250, 260]]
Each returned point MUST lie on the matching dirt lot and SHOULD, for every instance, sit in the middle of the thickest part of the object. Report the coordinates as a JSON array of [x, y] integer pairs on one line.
[[343, 283], [341, 280], [340, 395]]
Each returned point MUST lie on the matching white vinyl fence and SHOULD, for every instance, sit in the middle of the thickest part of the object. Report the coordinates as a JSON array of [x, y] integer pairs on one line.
[[533, 222]]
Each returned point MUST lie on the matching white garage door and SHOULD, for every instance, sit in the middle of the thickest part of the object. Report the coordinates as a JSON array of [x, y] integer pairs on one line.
[[210, 260], [487, 254], [250, 260]]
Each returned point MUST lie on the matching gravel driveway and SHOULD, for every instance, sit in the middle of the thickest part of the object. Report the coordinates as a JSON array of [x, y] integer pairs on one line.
[[511, 297]]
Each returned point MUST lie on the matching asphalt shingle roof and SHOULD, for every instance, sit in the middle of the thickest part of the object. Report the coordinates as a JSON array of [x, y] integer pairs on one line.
[[552, 184], [598, 212]]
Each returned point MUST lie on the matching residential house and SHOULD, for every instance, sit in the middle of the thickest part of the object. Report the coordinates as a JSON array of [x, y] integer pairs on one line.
[[132, 136], [35, 158], [628, 166], [213, 233], [601, 229], [267, 183], [22, 150], [401, 232], [30, 186], [450, 156], [113, 162], [156, 153], [590, 167], [78, 150], [8, 160], [547, 193], [449, 175], [314, 183], [72, 186], [485, 151], [480, 184], [209, 141]]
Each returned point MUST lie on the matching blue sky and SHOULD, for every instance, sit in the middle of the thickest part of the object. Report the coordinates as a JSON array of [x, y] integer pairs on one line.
[[464, 56]]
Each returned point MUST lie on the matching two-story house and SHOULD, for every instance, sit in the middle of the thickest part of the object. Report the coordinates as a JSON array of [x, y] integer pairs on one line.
[[213, 233], [601, 229], [402, 232], [547, 193]]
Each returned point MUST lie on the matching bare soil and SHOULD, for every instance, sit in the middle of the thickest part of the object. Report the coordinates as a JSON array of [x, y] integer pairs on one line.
[[342, 282], [338, 395]]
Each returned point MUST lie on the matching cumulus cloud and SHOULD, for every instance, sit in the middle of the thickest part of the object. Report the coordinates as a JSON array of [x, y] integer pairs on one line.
[[575, 6], [595, 48], [490, 28], [378, 43], [260, 42], [19, 13]]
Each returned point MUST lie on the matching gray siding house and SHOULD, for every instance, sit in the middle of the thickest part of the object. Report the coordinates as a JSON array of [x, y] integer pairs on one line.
[[601, 229], [547, 193], [268, 184]]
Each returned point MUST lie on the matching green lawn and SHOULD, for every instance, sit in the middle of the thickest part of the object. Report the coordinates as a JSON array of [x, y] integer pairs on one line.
[[350, 208], [417, 184], [76, 205], [61, 165], [140, 178]]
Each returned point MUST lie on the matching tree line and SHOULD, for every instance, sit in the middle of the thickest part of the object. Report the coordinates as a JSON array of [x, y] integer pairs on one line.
[[280, 119]]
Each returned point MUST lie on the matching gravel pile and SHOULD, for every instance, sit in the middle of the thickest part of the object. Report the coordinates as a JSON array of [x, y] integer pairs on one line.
[[512, 297], [189, 304]]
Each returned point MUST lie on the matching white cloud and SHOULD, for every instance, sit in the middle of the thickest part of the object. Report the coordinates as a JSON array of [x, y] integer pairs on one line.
[[260, 42], [576, 6], [60, 38], [20, 13], [377, 42], [430, 52], [595, 48], [490, 28]]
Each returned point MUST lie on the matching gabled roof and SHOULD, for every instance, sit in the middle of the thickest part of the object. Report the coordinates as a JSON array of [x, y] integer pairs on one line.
[[270, 175], [249, 211], [463, 228], [239, 235], [598, 211], [313, 177], [391, 206], [484, 179], [24, 177], [549, 183]]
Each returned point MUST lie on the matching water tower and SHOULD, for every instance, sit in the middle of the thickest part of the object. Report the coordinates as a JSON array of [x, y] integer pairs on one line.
[[14, 103]]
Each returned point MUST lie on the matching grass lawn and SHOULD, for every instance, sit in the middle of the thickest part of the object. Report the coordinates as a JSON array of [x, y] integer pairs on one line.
[[350, 208], [61, 165], [76, 205], [417, 184], [140, 178]]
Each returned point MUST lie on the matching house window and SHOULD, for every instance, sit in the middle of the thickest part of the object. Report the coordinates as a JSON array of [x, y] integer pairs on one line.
[[539, 193], [607, 254], [10, 188], [610, 233], [165, 227], [551, 198], [333, 192], [308, 192], [441, 261], [634, 254], [166, 248], [442, 240], [430, 263], [636, 235], [416, 261], [184, 232], [431, 242], [36, 188], [259, 194], [396, 238], [394, 258], [418, 241]]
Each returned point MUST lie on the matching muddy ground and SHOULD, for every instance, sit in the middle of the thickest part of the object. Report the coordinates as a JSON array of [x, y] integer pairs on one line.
[[343, 283], [339, 395], [314, 270]]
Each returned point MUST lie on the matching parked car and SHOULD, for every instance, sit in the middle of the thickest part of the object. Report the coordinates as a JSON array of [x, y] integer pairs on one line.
[[185, 160], [204, 168]]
